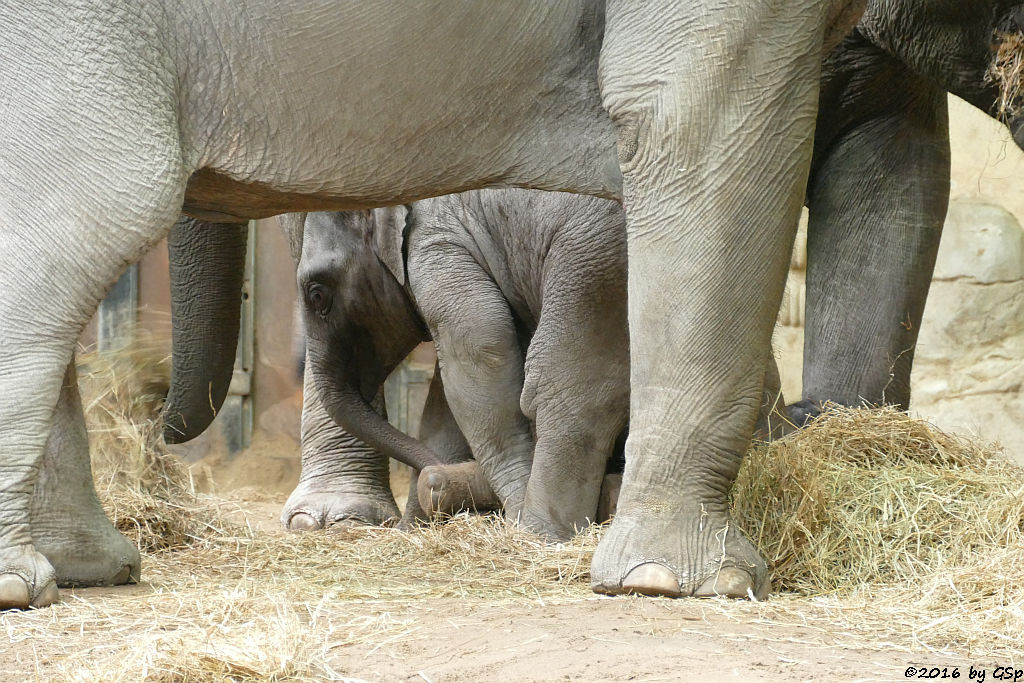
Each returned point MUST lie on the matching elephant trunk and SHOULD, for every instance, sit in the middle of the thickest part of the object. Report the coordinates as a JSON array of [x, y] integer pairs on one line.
[[347, 407], [207, 262]]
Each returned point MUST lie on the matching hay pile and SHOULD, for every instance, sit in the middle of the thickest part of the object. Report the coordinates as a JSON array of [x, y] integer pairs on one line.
[[1007, 72], [148, 493], [923, 530]]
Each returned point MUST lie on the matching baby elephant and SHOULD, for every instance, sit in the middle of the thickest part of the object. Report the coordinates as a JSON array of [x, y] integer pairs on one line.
[[524, 295]]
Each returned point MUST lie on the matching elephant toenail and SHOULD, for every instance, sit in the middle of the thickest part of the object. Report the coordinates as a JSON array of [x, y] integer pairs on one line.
[[14, 592], [301, 521], [122, 577], [730, 582], [651, 578], [434, 481], [48, 596], [429, 488]]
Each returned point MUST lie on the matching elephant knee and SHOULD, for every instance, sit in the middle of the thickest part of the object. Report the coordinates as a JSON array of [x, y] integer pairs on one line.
[[483, 348]]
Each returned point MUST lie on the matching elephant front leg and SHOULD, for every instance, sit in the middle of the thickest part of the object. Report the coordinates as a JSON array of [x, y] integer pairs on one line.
[[441, 434], [343, 481], [715, 106], [69, 526], [482, 370]]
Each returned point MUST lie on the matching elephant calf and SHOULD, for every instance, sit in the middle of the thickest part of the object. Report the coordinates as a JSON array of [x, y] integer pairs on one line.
[[524, 296]]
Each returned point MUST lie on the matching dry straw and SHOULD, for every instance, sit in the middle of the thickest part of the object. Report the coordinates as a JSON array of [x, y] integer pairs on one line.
[[921, 530], [878, 527], [1007, 72]]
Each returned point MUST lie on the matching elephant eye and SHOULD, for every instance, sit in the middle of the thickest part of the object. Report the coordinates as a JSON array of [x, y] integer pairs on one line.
[[319, 298]]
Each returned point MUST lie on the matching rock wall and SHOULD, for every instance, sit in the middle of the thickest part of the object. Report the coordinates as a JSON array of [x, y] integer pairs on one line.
[[969, 365]]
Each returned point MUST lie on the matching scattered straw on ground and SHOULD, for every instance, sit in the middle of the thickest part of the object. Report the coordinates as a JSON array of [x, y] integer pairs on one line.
[[880, 529], [146, 492]]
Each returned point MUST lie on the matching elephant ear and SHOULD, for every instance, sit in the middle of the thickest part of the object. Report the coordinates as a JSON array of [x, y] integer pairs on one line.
[[389, 236]]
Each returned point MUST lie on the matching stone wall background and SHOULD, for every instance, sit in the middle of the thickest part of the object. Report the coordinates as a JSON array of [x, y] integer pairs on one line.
[[969, 365]]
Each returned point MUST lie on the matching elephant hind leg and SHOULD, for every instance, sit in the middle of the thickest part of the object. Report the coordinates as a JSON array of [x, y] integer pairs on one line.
[[481, 367], [69, 527], [877, 205], [577, 375]]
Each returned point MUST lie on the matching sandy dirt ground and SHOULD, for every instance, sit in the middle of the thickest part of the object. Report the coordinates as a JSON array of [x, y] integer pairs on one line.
[[468, 639], [607, 639]]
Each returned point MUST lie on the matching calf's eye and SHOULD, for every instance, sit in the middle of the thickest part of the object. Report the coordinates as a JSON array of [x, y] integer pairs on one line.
[[319, 298]]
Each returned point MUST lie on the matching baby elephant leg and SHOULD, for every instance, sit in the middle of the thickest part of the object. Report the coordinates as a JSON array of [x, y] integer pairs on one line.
[[577, 391], [482, 369], [447, 489]]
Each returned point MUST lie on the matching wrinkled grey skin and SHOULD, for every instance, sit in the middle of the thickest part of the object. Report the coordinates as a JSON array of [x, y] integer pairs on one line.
[[116, 117], [68, 526], [207, 262], [344, 481], [879, 188], [524, 296]]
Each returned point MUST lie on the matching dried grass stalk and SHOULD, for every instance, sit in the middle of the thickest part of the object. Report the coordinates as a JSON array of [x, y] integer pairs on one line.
[[924, 529], [148, 493], [1007, 71]]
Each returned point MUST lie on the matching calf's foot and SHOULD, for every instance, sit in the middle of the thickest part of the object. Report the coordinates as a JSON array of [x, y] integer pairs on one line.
[[448, 489], [655, 549], [309, 509]]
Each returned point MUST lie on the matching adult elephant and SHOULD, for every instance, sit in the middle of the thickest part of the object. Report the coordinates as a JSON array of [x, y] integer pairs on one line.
[[881, 159], [116, 118]]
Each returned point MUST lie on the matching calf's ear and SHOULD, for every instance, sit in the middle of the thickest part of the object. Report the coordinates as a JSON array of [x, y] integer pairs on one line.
[[388, 237]]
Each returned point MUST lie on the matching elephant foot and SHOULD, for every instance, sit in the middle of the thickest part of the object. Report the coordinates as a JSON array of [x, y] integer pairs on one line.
[[668, 551], [309, 509], [448, 489], [81, 556], [558, 520], [26, 579], [802, 412]]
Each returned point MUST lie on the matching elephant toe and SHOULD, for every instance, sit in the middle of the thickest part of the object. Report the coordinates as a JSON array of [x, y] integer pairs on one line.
[[310, 509], [14, 592], [27, 579], [128, 574], [48, 596], [730, 582], [302, 521], [651, 578]]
